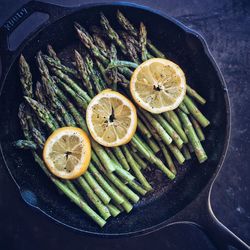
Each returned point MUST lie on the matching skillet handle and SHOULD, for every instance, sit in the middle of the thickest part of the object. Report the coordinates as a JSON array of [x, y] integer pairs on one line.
[[23, 24], [201, 214], [219, 234]]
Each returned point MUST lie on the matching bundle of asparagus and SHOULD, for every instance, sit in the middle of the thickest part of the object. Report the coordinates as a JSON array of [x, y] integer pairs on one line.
[[115, 176]]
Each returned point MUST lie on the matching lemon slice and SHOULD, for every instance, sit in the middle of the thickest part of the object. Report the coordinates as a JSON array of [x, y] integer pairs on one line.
[[158, 85], [111, 118], [67, 152]]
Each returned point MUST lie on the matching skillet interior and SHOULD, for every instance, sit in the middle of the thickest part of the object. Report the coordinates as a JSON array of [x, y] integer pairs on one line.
[[168, 198]]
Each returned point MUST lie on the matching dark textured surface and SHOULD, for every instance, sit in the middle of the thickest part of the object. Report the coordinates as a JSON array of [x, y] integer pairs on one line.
[[225, 26]]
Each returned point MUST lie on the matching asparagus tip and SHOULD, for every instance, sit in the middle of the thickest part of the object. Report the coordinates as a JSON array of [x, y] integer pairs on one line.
[[119, 13], [77, 26], [77, 54], [22, 59]]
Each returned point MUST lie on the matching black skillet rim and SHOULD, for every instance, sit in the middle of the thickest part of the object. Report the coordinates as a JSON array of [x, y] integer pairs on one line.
[[228, 115]]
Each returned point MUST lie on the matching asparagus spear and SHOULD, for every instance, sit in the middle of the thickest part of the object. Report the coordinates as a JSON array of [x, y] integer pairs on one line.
[[177, 153], [194, 140], [93, 74], [191, 92], [174, 116], [103, 72], [120, 185], [126, 205], [176, 138], [83, 72], [52, 53], [169, 161], [71, 186], [99, 42], [25, 77], [143, 129], [132, 184], [123, 188], [80, 101], [50, 99], [72, 84], [136, 169], [183, 107], [140, 190], [113, 72], [94, 198], [136, 142], [44, 71], [87, 40], [113, 210], [112, 34], [121, 157], [186, 152], [198, 129], [101, 180], [39, 93], [52, 103], [143, 41], [196, 112], [145, 144], [25, 144], [104, 197], [23, 121], [55, 64], [122, 64], [141, 163], [117, 70], [132, 40], [33, 120], [160, 130], [42, 113], [131, 49], [38, 137], [152, 144], [168, 158], [126, 24], [173, 119], [112, 155]]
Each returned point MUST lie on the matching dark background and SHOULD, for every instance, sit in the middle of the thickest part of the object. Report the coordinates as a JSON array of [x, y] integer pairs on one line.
[[226, 27]]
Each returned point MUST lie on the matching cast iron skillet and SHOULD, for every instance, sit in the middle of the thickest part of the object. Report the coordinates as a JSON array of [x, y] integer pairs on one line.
[[187, 199]]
